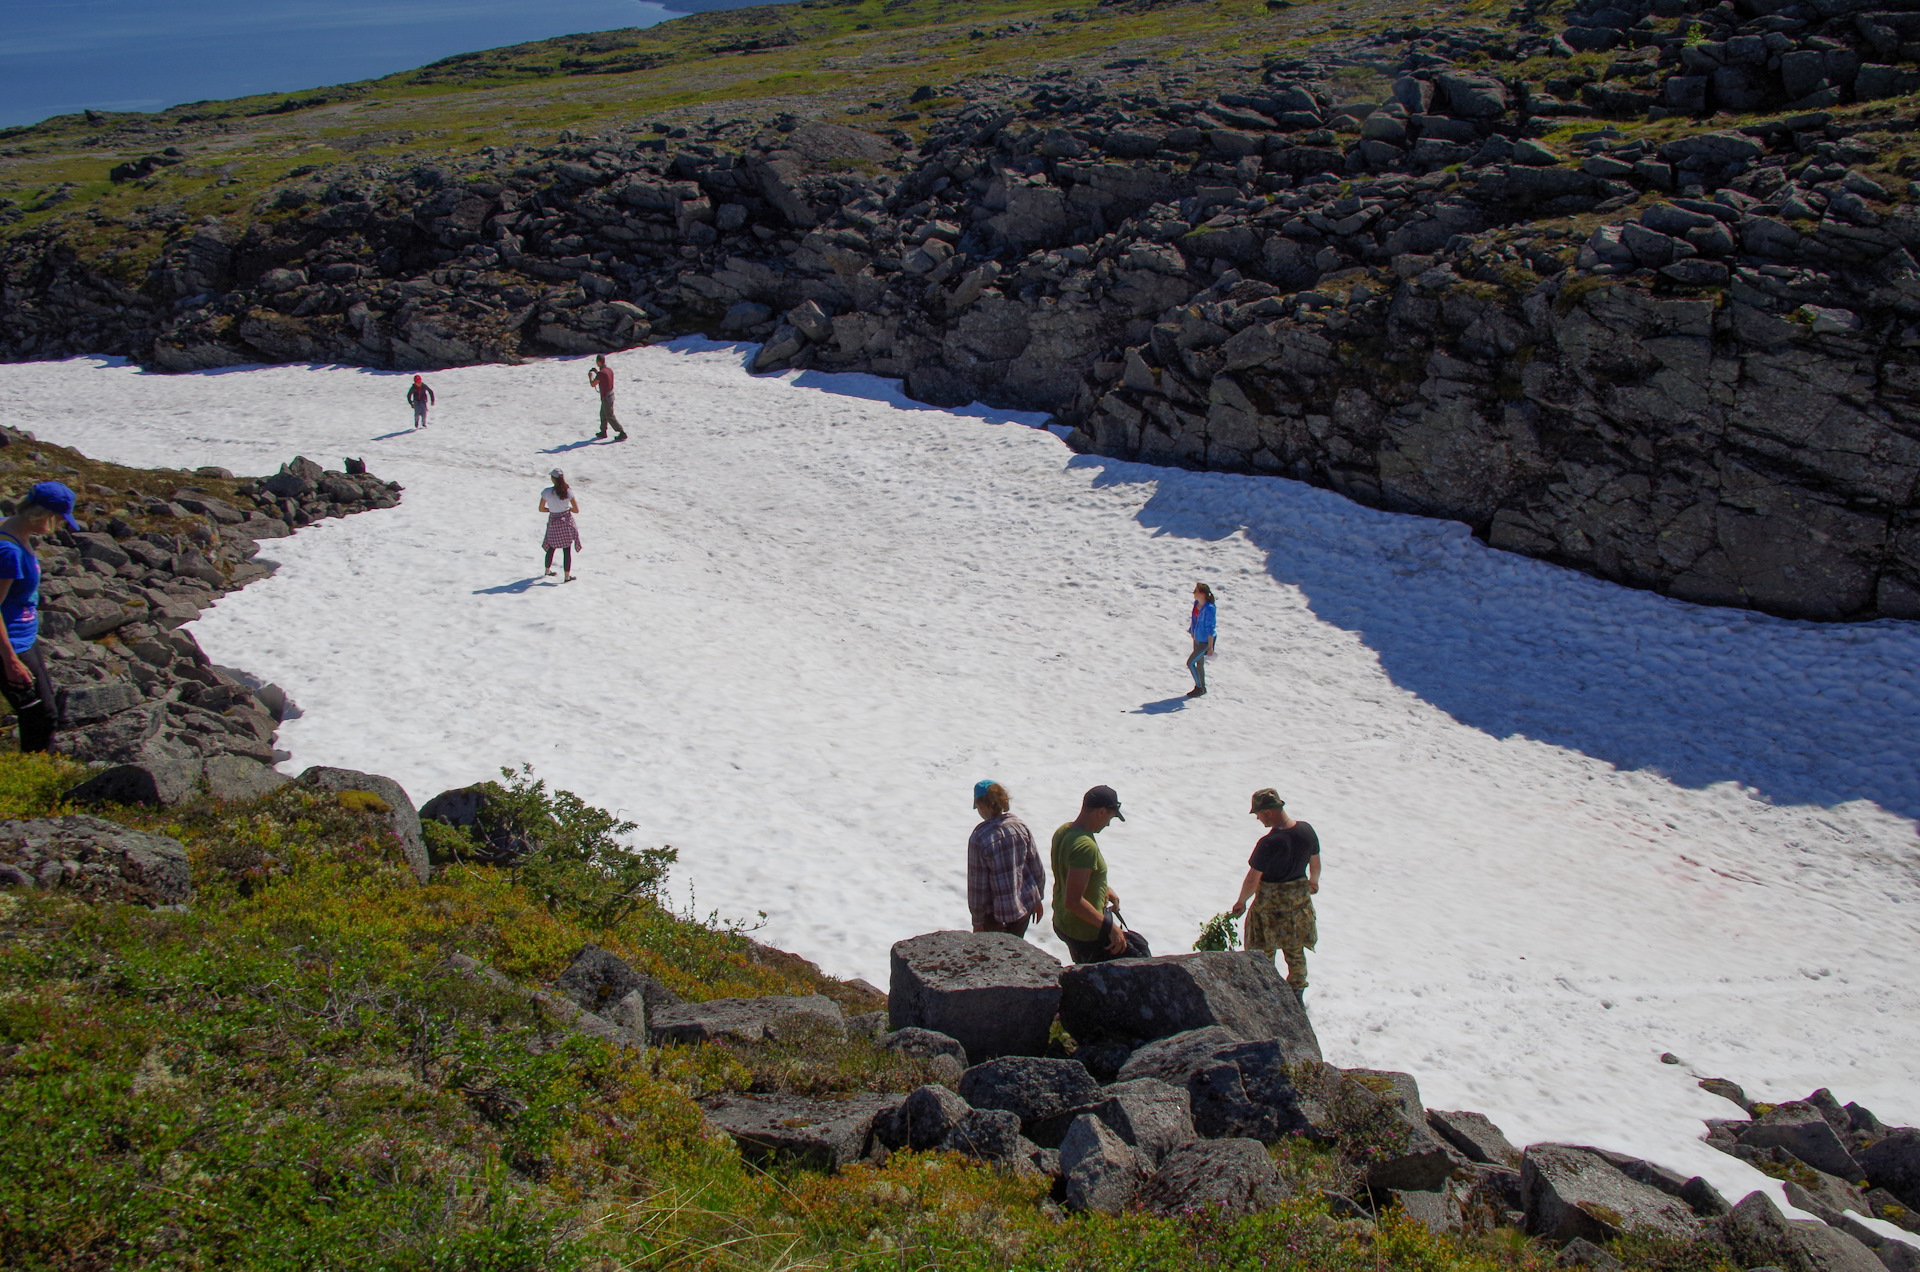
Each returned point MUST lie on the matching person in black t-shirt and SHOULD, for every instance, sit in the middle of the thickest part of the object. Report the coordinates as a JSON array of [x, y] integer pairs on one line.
[[1282, 876]]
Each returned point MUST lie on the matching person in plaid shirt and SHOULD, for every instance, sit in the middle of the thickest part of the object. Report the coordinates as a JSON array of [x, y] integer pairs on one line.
[[1005, 881]]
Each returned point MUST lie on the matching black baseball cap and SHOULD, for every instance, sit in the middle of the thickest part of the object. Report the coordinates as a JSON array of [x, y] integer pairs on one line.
[[1103, 797]]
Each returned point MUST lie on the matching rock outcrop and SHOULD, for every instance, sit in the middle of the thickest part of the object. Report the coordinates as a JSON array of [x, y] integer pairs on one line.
[[1709, 393], [94, 859]]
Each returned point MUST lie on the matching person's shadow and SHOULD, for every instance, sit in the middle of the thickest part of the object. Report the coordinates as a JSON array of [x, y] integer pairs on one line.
[[510, 589], [402, 432], [564, 447], [1161, 707]]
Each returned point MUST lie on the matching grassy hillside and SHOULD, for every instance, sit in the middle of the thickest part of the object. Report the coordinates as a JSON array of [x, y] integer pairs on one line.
[[284, 1076]]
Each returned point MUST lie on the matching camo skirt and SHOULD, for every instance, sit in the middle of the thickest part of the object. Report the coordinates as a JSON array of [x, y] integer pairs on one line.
[[1281, 918]]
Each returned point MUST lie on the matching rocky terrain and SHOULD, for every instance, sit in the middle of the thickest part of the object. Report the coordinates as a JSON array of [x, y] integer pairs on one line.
[[1631, 289], [158, 548]]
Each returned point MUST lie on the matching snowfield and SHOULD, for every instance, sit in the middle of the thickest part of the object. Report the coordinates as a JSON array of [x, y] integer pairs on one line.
[[1567, 826]]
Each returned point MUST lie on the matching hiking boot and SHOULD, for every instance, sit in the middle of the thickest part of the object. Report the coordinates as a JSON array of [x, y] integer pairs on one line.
[[1195, 692], [601, 433], [621, 438]]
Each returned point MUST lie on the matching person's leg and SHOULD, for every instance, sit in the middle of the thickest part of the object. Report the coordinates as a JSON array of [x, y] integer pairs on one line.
[[1296, 967], [606, 414], [1197, 665], [33, 707], [549, 566], [566, 559]]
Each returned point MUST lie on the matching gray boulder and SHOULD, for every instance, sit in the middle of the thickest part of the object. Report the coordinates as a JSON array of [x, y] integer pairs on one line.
[[1803, 1130], [1759, 1234], [1102, 1171], [1232, 1176], [1438, 1210], [1893, 1163], [97, 860], [1582, 1253], [1033, 1088], [765, 1019], [1474, 1136], [239, 779], [466, 807], [162, 782], [994, 993], [1149, 1114], [920, 1043], [405, 820], [597, 979], [929, 1115], [1571, 1192], [824, 1134], [1234, 1089], [992, 1135], [1140, 999]]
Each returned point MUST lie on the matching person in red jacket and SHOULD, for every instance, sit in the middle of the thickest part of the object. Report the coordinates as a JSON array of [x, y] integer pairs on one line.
[[600, 376], [419, 397]]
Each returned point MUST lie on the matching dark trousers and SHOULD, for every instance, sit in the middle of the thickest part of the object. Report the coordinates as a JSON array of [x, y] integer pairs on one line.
[[567, 559], [32, 707], [608, 417], [1017, 928]]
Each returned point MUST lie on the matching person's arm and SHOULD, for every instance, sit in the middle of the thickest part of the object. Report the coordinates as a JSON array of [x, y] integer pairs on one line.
[[573, 505], [1248, 886], [1313, 874], [1075, 891], [1213, 624], [543, 503]]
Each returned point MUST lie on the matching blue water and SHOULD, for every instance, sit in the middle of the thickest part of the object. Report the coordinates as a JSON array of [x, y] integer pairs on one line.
[[60, 56]]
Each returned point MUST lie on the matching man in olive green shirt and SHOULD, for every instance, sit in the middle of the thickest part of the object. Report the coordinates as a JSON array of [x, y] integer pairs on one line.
[[1080, 892]]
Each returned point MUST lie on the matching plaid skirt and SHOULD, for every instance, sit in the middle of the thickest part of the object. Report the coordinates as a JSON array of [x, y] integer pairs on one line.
[[561, 532]]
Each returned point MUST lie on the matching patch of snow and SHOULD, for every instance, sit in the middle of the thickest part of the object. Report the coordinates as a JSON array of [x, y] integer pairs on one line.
[[1567, 826]]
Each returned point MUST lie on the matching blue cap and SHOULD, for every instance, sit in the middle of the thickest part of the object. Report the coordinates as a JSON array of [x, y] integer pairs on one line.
[[54, 497], [980, 789]]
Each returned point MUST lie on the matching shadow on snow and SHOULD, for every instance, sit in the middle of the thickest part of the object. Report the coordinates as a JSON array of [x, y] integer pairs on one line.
[[1801, 713]]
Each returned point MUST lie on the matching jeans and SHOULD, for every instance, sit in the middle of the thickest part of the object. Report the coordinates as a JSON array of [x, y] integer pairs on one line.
[[1197, 665], [420, 415], [1016, 928], [32, 707]]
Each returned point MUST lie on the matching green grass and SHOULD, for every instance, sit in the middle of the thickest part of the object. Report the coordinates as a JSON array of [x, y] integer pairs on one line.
[[284, 1076]]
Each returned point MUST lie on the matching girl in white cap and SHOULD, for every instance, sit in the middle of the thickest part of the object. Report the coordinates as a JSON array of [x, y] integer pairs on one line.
[[558, 503]]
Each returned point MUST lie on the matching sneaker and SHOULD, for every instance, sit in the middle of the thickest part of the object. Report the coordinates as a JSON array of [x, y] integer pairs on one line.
[[601, 433], [1195, 692], [568, 579], [621, 438]]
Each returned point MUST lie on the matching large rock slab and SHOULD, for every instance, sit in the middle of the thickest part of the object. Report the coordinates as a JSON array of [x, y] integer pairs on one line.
[[597, 979], [1103, 1173], [237, 778], [994, 993], [1151, 1115], [1036, 1089], [96, 859], [159, 782], [1234, 1089], [1803, 1130], [1570, 1192], [1232, 1176], [1140, 999], [765, 1019], [405, 819], [929, 1115], [1760, 1235], [1474, 1136], [824, 1134], [1893, 1163]]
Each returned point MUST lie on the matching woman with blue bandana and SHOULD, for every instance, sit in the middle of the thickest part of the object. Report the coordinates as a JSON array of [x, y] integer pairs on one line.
[[23, 672]]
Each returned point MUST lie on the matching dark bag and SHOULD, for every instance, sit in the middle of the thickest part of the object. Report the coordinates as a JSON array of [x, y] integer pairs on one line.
[[1137, 946]]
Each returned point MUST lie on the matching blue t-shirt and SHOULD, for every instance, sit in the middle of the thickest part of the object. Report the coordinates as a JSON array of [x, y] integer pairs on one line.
[[20, 609]]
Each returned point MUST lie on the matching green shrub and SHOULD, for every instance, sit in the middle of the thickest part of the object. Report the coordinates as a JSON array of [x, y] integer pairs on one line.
[[1218, 933]]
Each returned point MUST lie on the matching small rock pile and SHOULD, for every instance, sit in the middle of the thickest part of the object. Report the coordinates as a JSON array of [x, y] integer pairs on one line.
[[96, 860], [133, 686]]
